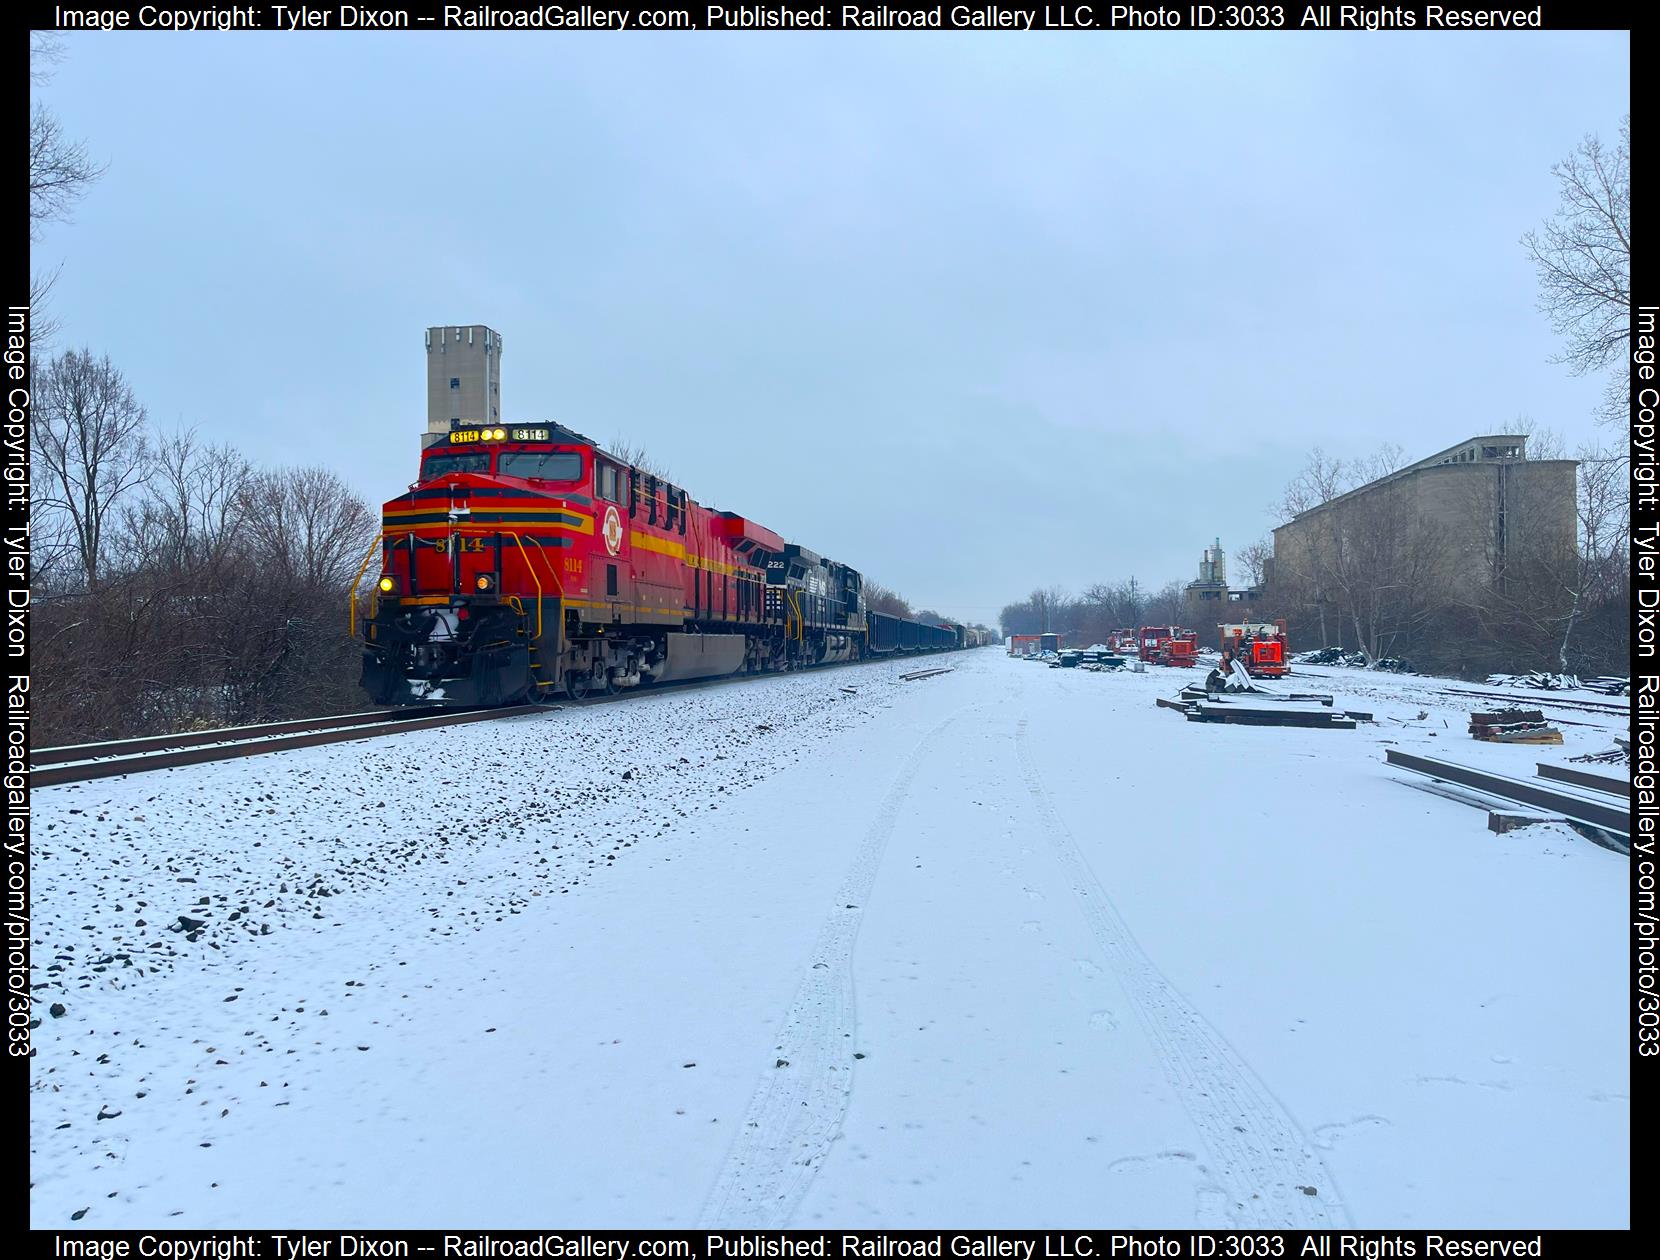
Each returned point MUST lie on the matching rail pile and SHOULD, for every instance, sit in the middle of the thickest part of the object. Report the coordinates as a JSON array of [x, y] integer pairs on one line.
[[1618, 755], [1595, 805], [1607, 684], [923, 673]]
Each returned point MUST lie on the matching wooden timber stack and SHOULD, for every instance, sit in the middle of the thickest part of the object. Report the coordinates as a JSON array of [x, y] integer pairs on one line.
[[1514, 726]]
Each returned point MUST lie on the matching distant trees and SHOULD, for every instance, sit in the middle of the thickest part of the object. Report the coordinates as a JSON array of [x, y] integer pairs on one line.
[[174, 584], [1103, 608], [1038, 613], [879, 598], [1582, 255]]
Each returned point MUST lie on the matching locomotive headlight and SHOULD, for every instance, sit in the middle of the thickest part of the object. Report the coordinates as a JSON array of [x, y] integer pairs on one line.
[[387, 585], [498, 434], [485, 582]]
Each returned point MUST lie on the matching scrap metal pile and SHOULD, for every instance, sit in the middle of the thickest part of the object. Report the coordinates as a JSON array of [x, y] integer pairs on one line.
[[1233, 697], [1607, 684]]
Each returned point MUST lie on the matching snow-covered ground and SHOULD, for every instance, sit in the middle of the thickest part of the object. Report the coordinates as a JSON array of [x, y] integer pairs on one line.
[[1008, 946]]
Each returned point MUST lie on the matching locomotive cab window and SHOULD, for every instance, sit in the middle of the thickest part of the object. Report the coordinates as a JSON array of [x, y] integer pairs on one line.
[[443, 465], [542, 465], [607, 483]]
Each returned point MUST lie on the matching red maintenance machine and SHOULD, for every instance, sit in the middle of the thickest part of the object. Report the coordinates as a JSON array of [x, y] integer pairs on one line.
[[1124, 642], [1257, 645], [1168, 645], [526, 562]]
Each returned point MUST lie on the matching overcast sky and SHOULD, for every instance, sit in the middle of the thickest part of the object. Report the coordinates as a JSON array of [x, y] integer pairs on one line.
[[972, 313]]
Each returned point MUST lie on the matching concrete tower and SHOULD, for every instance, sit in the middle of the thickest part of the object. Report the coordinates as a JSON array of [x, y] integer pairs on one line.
[[463, 377], [1213, 565]]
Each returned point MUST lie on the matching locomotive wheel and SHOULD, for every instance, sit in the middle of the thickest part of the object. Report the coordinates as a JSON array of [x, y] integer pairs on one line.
[[582, 684]]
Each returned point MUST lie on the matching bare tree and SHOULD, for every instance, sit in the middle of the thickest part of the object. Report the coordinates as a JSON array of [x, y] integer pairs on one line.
[[1387, 568], [1389, 457], [308, 525], [60, 171], [1167, 606], [635, 455], [196, 503], [882, 599], [1320, 480], [88, 435], [1542, 442], [1583, 258], [1604, 607], [1253, 559], [43, 327], [1106, 607], [1301, 573], [1048, 603]]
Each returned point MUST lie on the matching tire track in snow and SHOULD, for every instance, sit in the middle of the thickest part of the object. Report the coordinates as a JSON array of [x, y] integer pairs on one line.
[[798, 1110], [1257, 1151]]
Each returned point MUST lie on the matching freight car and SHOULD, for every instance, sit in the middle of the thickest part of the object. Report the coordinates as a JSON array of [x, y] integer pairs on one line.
[[527, 562]]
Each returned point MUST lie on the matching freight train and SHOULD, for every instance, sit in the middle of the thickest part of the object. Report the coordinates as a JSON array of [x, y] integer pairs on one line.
[[526, 562]]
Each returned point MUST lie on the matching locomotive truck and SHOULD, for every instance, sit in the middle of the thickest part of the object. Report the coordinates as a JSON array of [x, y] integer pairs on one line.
[[527, 562]]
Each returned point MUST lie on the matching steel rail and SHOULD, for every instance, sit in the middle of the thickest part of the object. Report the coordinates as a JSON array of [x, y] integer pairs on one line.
[[82, 771], [1515, 698], [1586, 779], [1566, 802], [217, 735], [309, 736], [1521, 698]]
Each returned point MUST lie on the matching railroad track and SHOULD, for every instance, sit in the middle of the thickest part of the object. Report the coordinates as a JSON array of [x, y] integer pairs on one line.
[[79, 763], [1520, 697], [1523, 698]]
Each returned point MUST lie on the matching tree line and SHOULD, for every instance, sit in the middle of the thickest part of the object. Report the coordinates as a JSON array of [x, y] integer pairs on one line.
[[1102, 608], [176, 585]]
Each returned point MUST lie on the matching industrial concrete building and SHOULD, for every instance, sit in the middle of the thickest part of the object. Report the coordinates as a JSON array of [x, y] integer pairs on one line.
[[1211, 600], [463, 377], [1474, 513]]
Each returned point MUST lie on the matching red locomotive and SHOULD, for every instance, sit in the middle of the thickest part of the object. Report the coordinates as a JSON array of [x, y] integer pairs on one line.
[[527, 562]]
